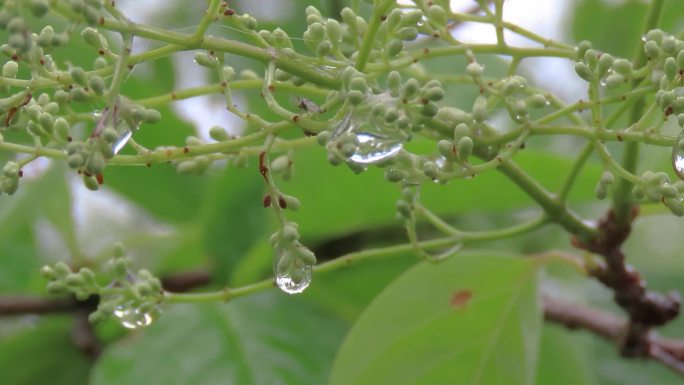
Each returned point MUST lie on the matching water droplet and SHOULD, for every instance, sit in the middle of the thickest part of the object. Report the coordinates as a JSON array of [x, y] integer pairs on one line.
[[125, 134], [110, 119], [133, 317], [292, 278], [374, 139], [678, 156]]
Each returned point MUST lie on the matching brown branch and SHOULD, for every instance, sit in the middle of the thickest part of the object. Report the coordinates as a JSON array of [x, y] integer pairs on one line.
[[669, 353]]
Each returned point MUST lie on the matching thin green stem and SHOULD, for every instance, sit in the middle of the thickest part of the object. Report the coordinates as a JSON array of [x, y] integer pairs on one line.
[[379, 12], [575, 171], [207, 19], [622, 194]]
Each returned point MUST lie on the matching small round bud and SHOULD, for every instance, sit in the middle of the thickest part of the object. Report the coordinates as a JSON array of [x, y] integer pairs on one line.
[[407, 33], [206, 60], [429, 109], [97, 84], [323, 48], [584, 72], [187, 167], [391, 114], [652, 49], [307, 256], [152, 116], [464, 148], [480, 109], [606, 178], [674, 205], [591, 58], [47, 121], [228, 73], [437, 15], [605, 62], [11, 170], [48, 272], [474, 69], [582, 48], [670, 68], [358, 83], [410, 88], [356, 97], [601, 191], [431, 170], [655, 35], [404, 209], [680, 59], [394, 47], [96, 163], [536, 101], [39, 7], [218, 134], [78, 76], [669, 44], [75, 161], [394, 80], [74, 280], [395, 175], [10, 69], [80, 95], [434, 94], [56, 287], [668, 191], [333, 30], [92, 37], [614, 80], [248, 74], [622, 66]]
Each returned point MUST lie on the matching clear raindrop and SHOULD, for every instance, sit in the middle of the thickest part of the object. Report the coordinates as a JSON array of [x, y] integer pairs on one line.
[[375, 140], [132, 317], [678, 156], [294, 277], [112, 118]]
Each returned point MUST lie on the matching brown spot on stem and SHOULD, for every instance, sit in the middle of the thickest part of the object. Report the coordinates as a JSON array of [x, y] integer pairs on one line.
[[267, 200]]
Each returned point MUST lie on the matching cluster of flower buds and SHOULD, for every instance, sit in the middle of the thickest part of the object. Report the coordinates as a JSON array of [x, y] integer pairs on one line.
[[657, 187], [594, 66], [666, 56], [133, 298]]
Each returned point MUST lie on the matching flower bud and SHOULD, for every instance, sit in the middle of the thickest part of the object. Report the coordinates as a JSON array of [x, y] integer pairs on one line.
[[356, 97], [437, 15], [56, 287], [429, 109], [680, 59], [78, 76], [480, 109], [228, 73], [674, 205], [605, 62], [394, 175], [464, 148], [206, 60], [584, 72], [652, 50], [669, 44], [622, 66], [614, 80], [152, 116], [394, 47], [394, 80], [410, 88], [407, 33], [96, 163], [333, 30], [10, 69], [670, 68], [591, 58], [582, 49], [474, 69]]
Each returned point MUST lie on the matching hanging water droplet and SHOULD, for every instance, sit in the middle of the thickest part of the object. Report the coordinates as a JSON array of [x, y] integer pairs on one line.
[[293, 277], [678, 156], [115, 128], [133, 317], [374, 139], [125, 132]]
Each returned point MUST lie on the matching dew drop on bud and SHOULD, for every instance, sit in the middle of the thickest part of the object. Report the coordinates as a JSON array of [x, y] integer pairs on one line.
[[293, 277], [375, 138], [678, 156], [132, 317]]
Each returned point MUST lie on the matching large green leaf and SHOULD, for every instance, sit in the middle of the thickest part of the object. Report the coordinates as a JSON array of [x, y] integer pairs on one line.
[[268, 339], [43, 355], [473, 319]]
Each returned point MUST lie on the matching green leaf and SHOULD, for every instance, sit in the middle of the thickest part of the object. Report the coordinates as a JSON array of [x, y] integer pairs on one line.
[[565, 357], [233, 218], [357, 202], [473, 319], [43, 355], [267, 339]]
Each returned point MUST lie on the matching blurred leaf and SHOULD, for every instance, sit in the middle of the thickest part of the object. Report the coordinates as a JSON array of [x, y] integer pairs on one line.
[[43, 355], [233, 218], [473, 319], [336, 201], [46, 196], [268, 339], [565, 358]]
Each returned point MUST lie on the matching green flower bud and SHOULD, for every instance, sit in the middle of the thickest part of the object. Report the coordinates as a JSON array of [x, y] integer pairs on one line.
[[678, 105], [91, 15], [39, 7], [668, 191], [248, 21], [391, 114], [410, 88], [228, 73], [323, 48], [394, 47], [11, 170], [92, 37], [614, 80], [349, 17], [474, 69], [582, 49], [674, 205], [670, 68], [281, 38], [47, 121], [404, 209], [429, 109], [680, 59], [669, 44], [431, 170], [56, 287], [78, 76], [10, 69], [206, 60], [536, 101], [480, 109], [62, 269], [120, 267], [655, 35], [75, 161], [668, 97], [80, 95], [51, 108], [18, 42], [412, 17], [407, 33], [652, 50], [307, 256], [584, 72], [358, 83], [606, 178], [218, 134], [395, 175], [97, 84], [16, 25], [437, 15], [248, 74], [96, 163], [110, 135], [313, 14], [434, 94], [464, 148], [394, 81], [61, 97], [601, 191], [152, 116], [447, 149], [333, 30], [605, 62], [74, 280], [187, 167], [356, 97], [100, 63], [591, 58], [60, 39], [622, 66], [118, 250], [48, 272]]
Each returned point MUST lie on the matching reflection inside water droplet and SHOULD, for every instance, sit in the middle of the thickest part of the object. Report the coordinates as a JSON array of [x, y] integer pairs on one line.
[[293, 278], [678, 156], [132, 318], [374, 148]]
